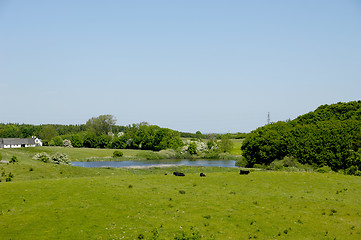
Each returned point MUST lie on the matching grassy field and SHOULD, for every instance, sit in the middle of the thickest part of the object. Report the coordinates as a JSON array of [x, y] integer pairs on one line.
[[65, 202], [237, 144]]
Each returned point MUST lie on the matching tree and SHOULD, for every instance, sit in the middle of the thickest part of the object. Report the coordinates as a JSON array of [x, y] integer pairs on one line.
[[10, 131], [226, 145], [211, 144], [101, 125], [76, 141], [120, 142], [104, 141], [56, 141], [192, 148], [47, 133], [90, 140]]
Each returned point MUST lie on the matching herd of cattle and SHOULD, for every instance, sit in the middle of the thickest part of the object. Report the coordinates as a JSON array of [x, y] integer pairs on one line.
[[180, 174]]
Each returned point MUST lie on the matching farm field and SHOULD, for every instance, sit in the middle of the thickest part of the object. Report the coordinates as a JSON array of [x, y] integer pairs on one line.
[[65, 202]]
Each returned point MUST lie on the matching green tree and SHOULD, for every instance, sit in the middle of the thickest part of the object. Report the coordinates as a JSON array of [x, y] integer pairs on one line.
[[192, 148], [10, 131], [104, 141], [56, 141], [47, 132], [120, 142], [101, 125], [211, 144], [90, 140], [226, 145], [76, 141]]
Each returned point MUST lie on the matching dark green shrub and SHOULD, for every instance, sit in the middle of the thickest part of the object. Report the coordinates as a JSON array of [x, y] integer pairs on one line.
[[192, 148], [259, 166], [76, 140], [13, 160], [90, 140], [242, 162], [353, 170], [117, 154], [324, 169]]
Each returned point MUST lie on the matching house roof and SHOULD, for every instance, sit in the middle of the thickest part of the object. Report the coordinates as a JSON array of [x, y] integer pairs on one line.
[[17, 141]]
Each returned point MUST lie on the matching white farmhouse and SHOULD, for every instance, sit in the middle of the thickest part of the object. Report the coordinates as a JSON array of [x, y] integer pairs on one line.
[[20, 142]]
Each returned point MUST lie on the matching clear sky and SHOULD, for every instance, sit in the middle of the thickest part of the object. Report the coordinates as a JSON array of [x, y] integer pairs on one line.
[[213, 66]]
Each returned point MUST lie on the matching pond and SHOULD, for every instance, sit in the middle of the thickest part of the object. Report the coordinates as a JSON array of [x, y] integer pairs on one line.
[[157, 163]]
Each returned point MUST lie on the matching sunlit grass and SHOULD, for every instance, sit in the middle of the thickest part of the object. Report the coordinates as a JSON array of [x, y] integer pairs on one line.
[[237, 144], [65, 202]]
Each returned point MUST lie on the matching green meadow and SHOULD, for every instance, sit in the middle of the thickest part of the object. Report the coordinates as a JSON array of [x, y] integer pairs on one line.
[[48, 201]]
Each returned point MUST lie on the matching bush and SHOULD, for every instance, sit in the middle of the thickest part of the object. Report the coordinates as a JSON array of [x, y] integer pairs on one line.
[[60, 158], [289, 164], [168, 154], [242, 162], [262, 166], [117, 154], [44, 157], [353, 170], [13, 160], [192, 148], [324, 169], [67, 143], [76, 141]]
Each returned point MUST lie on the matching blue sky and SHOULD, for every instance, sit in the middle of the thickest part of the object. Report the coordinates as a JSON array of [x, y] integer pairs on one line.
[[213, 66]]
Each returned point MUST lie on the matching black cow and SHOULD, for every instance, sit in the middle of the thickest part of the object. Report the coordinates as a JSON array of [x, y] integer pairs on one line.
[[243, 172], [202, 174], [179, 174]]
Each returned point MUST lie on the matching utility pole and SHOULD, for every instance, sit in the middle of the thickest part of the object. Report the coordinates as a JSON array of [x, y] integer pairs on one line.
[[268, 118]]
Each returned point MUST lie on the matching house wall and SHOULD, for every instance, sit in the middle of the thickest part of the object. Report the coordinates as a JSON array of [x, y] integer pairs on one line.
[[12, 146]]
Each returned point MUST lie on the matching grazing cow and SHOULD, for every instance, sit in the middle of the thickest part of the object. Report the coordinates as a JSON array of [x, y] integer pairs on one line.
[[179, 174], [243, 172], [202, 174]]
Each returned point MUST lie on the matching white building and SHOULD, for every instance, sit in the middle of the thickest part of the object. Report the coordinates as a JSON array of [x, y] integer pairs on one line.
[[20, 142]]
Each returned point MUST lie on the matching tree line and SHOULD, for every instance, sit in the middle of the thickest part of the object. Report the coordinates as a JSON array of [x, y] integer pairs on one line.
[[98, 132], [329, 136]]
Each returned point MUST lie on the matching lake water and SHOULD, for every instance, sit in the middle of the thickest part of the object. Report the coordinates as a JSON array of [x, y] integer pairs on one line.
[[157, 163]]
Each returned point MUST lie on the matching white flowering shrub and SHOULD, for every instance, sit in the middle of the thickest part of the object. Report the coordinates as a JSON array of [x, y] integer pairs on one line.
[[201, 146], [67, 143], [60, 158], [44, 157]]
